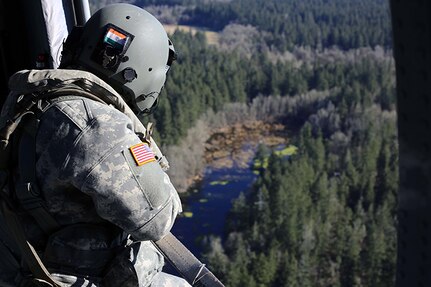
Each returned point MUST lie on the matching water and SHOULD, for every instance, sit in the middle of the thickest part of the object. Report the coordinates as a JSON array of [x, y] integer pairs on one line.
[[209, 206], [206, 209]]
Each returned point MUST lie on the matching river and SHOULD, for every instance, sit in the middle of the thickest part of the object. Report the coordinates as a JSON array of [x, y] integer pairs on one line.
[[205, 210]]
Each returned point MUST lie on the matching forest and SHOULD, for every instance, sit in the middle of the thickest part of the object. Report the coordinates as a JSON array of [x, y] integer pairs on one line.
[[317, 23], [325, 216]]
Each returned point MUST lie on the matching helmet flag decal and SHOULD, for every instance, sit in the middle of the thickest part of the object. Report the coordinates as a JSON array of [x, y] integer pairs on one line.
[[112, 47], [116, 39]]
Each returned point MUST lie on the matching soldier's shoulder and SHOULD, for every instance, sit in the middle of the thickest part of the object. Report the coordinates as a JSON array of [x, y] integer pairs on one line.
[[81, 111]]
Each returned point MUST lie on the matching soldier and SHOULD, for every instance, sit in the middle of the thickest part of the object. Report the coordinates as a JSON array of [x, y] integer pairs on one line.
[[98, 194]]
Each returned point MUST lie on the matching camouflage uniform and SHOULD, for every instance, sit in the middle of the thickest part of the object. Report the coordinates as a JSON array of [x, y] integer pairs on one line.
[[108, 203]]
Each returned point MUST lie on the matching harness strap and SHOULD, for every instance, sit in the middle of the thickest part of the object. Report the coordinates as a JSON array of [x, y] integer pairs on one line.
[[70, 92], [26, 188]]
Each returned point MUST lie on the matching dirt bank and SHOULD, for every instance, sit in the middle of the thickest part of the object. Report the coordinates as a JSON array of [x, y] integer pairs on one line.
[[226, 146]]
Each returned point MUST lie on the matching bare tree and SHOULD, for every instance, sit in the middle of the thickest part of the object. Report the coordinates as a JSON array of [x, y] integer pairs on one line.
[[245, 40]]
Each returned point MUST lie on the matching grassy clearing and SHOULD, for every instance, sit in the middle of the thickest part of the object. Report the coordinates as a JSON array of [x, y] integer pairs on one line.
[[212, 37], [287, 151]]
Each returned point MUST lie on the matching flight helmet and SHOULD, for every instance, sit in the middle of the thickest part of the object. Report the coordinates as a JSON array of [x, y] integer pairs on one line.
[[129, 49]]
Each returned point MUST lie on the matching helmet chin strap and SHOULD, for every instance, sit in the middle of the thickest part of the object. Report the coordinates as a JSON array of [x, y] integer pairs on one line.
[[150, 110], [144, 98]]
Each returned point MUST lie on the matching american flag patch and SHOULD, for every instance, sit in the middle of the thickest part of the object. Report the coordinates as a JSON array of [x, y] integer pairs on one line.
[[142, 154], [115, 38]]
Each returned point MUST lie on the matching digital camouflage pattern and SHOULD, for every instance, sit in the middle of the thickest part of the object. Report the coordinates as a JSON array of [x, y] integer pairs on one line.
[[110, 207]]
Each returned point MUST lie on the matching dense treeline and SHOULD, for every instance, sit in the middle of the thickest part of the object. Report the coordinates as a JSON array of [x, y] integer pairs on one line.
[[325, 217], [202, 79], [205, 78], [317, 23]]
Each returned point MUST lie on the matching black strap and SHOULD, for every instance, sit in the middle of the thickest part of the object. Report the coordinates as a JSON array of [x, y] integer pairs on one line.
[[26, 188], [186, 263], [27, 251]]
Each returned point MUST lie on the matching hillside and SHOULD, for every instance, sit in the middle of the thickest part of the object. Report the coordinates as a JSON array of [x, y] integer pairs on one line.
[[316, 23]]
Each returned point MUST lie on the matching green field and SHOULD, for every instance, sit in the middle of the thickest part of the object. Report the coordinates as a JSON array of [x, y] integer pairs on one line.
[[211, 36]]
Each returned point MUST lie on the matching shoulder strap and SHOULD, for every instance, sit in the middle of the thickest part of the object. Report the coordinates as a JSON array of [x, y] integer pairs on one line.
[[26, 188]]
